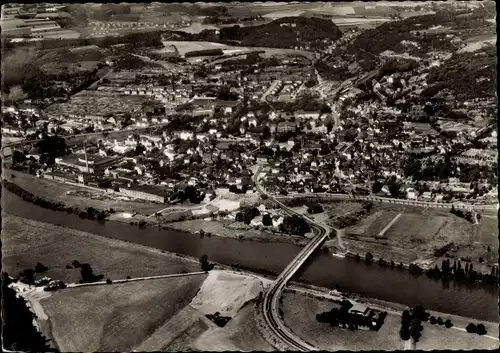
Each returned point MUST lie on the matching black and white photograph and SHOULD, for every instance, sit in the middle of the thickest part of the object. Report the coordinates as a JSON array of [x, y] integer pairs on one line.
[[249, 176]]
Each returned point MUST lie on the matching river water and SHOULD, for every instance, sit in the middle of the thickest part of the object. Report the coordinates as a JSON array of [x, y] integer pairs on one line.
[[323, 269]]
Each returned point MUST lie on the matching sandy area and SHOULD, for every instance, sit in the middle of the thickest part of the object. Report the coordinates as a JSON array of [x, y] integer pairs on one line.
[[226, 293], [173, 330], [239, 334]]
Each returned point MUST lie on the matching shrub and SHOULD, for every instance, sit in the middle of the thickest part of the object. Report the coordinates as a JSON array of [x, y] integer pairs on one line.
[[68, 267], [471, 328], [75, 264], [108, 281], [39, 267]]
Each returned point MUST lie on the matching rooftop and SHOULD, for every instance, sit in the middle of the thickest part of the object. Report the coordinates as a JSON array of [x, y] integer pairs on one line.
[[150, 189]]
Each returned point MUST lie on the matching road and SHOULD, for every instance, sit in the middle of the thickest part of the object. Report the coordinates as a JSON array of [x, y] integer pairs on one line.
[[271, 298], [135, 279], [273, 86], [492, 206]]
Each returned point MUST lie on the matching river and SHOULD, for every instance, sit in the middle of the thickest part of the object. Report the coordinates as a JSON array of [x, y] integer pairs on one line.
[[323, 269]]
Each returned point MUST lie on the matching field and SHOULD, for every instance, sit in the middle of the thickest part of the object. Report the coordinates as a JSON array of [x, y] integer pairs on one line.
[[125, 316], [300, 311], [418, 232], [56, 191], [155, 315], [439, 337], [26, 242], [218, 228], [300, 316]]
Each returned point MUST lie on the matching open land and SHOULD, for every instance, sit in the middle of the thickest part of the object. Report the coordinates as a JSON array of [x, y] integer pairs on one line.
[[418, 231], [221, 229], [27, 242], [126, 315], [158, 314], [300, 316]]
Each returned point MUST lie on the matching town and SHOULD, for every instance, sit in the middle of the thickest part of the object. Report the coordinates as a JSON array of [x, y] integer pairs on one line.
[[371, 136]]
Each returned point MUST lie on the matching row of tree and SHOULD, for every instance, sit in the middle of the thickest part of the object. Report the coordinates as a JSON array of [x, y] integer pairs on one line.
[[464, 274], [411, 323], [90, 212]]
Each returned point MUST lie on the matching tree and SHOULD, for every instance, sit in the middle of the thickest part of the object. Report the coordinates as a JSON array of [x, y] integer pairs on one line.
[[204, 264], [448, 323], [295, 225], [406, 317], [440, 321], [267, 220], [394, 188], [108, 281], [471, 328], [39, 267], [480, 329], [16, 94], [415, 329], [377, 187], [75, 264], [368, 257], [419, 312], [18, 331], [87, 273], [433, 320], [404, 333], [27, 276]]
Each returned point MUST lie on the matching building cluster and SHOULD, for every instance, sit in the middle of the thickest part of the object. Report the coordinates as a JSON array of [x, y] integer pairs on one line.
[[36, 24]]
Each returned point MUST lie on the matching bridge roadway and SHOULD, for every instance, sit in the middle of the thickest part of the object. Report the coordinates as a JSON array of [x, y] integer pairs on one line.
[[270, 303]]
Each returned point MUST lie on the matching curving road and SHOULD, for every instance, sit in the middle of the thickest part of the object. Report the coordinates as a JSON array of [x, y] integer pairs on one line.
[[270, 303]]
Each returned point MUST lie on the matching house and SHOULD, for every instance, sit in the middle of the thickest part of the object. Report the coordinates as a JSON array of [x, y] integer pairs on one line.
[[411, 194], [307, 115], [427, 195], [359, 309], [145, 192], [261, 160], [286, 126], [277, 220]]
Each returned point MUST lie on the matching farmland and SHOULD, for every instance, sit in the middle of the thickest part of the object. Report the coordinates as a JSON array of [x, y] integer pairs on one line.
[[126, 315], [27, 242]]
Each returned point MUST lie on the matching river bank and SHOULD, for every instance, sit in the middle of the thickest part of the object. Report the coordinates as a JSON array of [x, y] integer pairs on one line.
[[322, 269]]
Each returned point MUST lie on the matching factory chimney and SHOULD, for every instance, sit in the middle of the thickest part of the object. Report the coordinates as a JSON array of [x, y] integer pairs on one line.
[[85, 152]]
